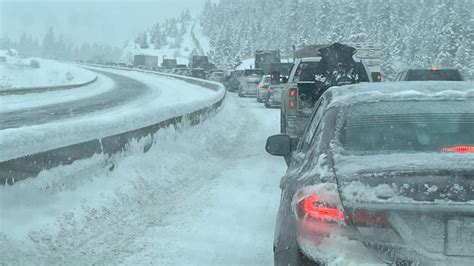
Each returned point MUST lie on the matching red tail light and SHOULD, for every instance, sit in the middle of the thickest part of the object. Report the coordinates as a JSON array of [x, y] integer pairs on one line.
[[459, 149], [311, 207], [263, 86], [292, 92], [270, 91]]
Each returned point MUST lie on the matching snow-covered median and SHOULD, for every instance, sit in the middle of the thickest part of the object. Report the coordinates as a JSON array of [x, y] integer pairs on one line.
[[18, 73]]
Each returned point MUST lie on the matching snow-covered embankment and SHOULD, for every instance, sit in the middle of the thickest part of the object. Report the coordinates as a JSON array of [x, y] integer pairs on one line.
[[19, 73]]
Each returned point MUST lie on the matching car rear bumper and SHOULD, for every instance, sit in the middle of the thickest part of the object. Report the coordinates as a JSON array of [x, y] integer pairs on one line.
[[346, 244]]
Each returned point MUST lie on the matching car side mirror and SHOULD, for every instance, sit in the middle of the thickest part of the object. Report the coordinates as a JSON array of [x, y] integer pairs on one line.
[[278, 145]]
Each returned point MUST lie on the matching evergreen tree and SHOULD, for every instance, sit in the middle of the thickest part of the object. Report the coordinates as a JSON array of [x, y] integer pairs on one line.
[[49, 44]]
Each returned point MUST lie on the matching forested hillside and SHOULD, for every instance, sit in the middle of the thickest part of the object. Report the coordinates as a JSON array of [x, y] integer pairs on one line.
[[178, 38], [412, 32]]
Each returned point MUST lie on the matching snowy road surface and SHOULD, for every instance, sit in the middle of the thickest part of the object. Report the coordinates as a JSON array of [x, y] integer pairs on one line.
[[124, 90], [205, 195]]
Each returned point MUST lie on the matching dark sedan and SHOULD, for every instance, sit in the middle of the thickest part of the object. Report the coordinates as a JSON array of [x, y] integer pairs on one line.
[[384, 173]]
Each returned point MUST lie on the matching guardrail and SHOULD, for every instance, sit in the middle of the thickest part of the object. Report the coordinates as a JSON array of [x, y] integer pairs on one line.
[[29, 166], [22, 91]]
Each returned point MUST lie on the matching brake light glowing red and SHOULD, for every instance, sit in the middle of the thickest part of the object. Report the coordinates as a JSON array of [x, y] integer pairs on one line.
[[292, 93], [459, 149], [311, 207], [263, 86]]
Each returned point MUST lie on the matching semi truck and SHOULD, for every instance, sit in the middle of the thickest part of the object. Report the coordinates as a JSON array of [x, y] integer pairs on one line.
[[200, 61], [266, 57], [145, 60], [169, 63]]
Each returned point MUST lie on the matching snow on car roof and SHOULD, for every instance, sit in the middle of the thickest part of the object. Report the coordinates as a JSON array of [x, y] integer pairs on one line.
[[401, 91], [310, 59]]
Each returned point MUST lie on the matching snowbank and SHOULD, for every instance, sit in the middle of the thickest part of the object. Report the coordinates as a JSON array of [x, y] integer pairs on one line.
[[37, 72]]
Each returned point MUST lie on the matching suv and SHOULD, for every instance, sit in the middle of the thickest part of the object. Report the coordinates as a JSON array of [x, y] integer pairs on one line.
[[217, 76], [249, 82], [233, 83], [447, 74]]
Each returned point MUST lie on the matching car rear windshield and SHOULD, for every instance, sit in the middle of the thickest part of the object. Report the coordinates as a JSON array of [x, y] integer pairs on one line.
[[407, 127], [422, 75], [253, 72], [305, 71]]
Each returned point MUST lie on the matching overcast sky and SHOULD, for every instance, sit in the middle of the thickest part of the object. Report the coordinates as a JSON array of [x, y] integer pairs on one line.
[[106, 21]]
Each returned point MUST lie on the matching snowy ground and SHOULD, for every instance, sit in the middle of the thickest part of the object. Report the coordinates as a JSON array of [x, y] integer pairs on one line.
[[19, 74], [204, 195]]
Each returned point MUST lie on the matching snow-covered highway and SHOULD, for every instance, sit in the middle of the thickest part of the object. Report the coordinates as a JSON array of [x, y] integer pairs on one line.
[[124, 90], [131, 100], [203, 195]]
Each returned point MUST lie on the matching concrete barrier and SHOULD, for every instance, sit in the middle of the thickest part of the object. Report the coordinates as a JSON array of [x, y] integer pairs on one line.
[[22, 91]]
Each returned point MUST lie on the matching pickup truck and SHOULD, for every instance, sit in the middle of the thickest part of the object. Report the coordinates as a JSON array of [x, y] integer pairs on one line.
[[301, 94]]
